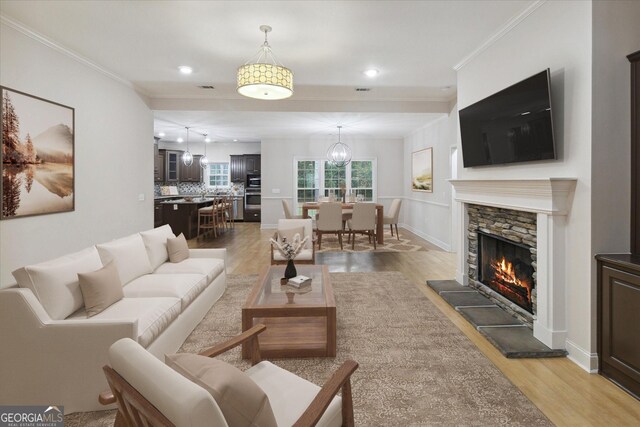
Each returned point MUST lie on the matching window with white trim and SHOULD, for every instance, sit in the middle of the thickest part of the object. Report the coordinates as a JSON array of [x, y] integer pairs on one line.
[[318, 177], [219, 174]]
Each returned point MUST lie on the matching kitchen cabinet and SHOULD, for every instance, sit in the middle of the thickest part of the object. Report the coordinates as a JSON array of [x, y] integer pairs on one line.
[[236, 168], [619, 320], [157, 213], [191, 173], [172, 165], [159, 165], [252, 163]]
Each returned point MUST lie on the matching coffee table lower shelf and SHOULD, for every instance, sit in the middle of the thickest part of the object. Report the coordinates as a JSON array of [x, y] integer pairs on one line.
[[287, 337]]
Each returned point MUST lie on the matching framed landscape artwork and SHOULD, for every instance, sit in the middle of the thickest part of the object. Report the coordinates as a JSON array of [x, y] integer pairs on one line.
[[422, 170], [37, 156]]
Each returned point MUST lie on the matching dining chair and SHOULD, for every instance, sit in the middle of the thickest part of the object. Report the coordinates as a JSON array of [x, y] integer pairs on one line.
[[329, 221], [363, 221], [392, 218], [288, 214]]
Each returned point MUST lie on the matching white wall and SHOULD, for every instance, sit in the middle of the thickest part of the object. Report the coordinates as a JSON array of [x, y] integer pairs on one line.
[[557, 36], [277, 168], [616, 34], [113, 148], [429, 214]]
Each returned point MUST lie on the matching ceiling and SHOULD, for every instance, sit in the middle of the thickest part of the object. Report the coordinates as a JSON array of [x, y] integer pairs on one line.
[[327, 44]]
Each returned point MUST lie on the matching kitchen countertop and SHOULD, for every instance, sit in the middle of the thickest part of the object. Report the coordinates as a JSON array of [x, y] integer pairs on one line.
[[194, 196]]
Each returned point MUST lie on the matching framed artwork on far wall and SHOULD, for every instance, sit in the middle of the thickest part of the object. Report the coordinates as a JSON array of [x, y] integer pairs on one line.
[[37, 157], [422, 170]]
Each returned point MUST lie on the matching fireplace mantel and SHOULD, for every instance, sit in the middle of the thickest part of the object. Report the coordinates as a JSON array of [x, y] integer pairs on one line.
[[551, 200], [550, 196]]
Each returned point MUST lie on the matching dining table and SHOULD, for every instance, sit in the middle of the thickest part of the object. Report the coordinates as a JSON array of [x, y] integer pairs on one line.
[[308, 206]]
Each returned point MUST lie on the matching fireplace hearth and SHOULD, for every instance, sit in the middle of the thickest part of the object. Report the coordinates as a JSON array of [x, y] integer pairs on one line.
[[506, 267]]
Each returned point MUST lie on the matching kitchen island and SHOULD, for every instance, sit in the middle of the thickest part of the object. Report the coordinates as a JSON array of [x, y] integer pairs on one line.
[[182, 215]]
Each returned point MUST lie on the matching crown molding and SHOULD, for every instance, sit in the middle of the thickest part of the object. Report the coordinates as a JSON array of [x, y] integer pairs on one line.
[[510, 25], [20, 27]]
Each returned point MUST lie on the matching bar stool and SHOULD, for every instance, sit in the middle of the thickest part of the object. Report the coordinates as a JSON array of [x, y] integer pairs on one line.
[[206, 221]]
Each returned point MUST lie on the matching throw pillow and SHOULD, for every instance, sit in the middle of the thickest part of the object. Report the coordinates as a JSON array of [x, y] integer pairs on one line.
[[100, 288], [177, 248], [242, 402], [290, 234]]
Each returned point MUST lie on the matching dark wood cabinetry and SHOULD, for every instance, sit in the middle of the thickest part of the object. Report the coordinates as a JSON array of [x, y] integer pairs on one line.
[[236, 168], [191, 173], [634, 58], [619, 320], [619, 278], [158, 165], [252, 163], [172, 165]]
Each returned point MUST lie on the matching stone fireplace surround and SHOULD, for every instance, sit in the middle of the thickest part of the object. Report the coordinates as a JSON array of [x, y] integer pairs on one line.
[[516, 226], [550, 200]]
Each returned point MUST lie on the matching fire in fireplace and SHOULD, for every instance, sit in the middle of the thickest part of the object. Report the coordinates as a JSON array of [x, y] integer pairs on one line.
[[505, 267]]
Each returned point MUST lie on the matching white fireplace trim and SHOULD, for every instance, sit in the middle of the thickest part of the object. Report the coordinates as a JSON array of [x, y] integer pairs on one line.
[[551, 199], [552, 196]]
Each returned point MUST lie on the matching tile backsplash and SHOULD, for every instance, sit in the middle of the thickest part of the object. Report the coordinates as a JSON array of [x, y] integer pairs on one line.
[[195, 188]]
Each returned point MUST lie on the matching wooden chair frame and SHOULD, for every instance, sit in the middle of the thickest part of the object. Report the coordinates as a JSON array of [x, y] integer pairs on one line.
[[134, 410]]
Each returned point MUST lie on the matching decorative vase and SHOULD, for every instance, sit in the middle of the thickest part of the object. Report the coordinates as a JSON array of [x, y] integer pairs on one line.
[[290, 271]]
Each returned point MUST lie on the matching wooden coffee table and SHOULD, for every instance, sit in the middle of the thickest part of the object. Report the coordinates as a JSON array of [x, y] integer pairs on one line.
[[298, 324]]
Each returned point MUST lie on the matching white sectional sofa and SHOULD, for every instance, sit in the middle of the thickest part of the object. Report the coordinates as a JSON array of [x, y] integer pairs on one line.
[[51, 353]]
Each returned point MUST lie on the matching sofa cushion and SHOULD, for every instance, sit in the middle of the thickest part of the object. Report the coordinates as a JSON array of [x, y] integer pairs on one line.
[[290, 395], [178, 248], [155, 241], [130, 256], [100, 288], [55, 282], [211, 267], [154, 315], [187, 287], [241, 401]]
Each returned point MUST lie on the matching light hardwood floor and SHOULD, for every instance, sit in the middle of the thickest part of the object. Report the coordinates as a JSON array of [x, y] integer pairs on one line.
[[564, 392]]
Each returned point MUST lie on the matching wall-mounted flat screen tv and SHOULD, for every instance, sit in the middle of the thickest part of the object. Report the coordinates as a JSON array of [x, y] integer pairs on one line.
[[513, 125]]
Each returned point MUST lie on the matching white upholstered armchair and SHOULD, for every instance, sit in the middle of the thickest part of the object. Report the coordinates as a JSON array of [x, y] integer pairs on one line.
[[196, 390], [288, 228]]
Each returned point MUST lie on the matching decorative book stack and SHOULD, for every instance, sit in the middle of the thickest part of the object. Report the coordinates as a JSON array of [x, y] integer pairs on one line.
[[299, 281]]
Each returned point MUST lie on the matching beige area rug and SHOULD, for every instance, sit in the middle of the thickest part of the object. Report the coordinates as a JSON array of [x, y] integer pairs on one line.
[[330, 243], [416, 367]]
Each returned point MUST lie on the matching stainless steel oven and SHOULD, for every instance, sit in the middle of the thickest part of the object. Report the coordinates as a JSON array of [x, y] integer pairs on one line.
[[252, 201], [253, 182]]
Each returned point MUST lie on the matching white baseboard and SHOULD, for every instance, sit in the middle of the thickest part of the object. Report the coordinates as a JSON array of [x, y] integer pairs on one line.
[[556, 340], [584, 359], [427, 237]]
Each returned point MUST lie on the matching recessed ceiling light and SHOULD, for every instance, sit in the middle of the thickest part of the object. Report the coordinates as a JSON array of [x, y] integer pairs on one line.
[[371, 72], [207, 140], [235, 140], [161, 134], [185, 69], [179, 139]]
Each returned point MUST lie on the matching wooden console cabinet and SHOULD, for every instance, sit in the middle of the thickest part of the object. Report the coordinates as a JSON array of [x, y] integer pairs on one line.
[[619, 320]]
